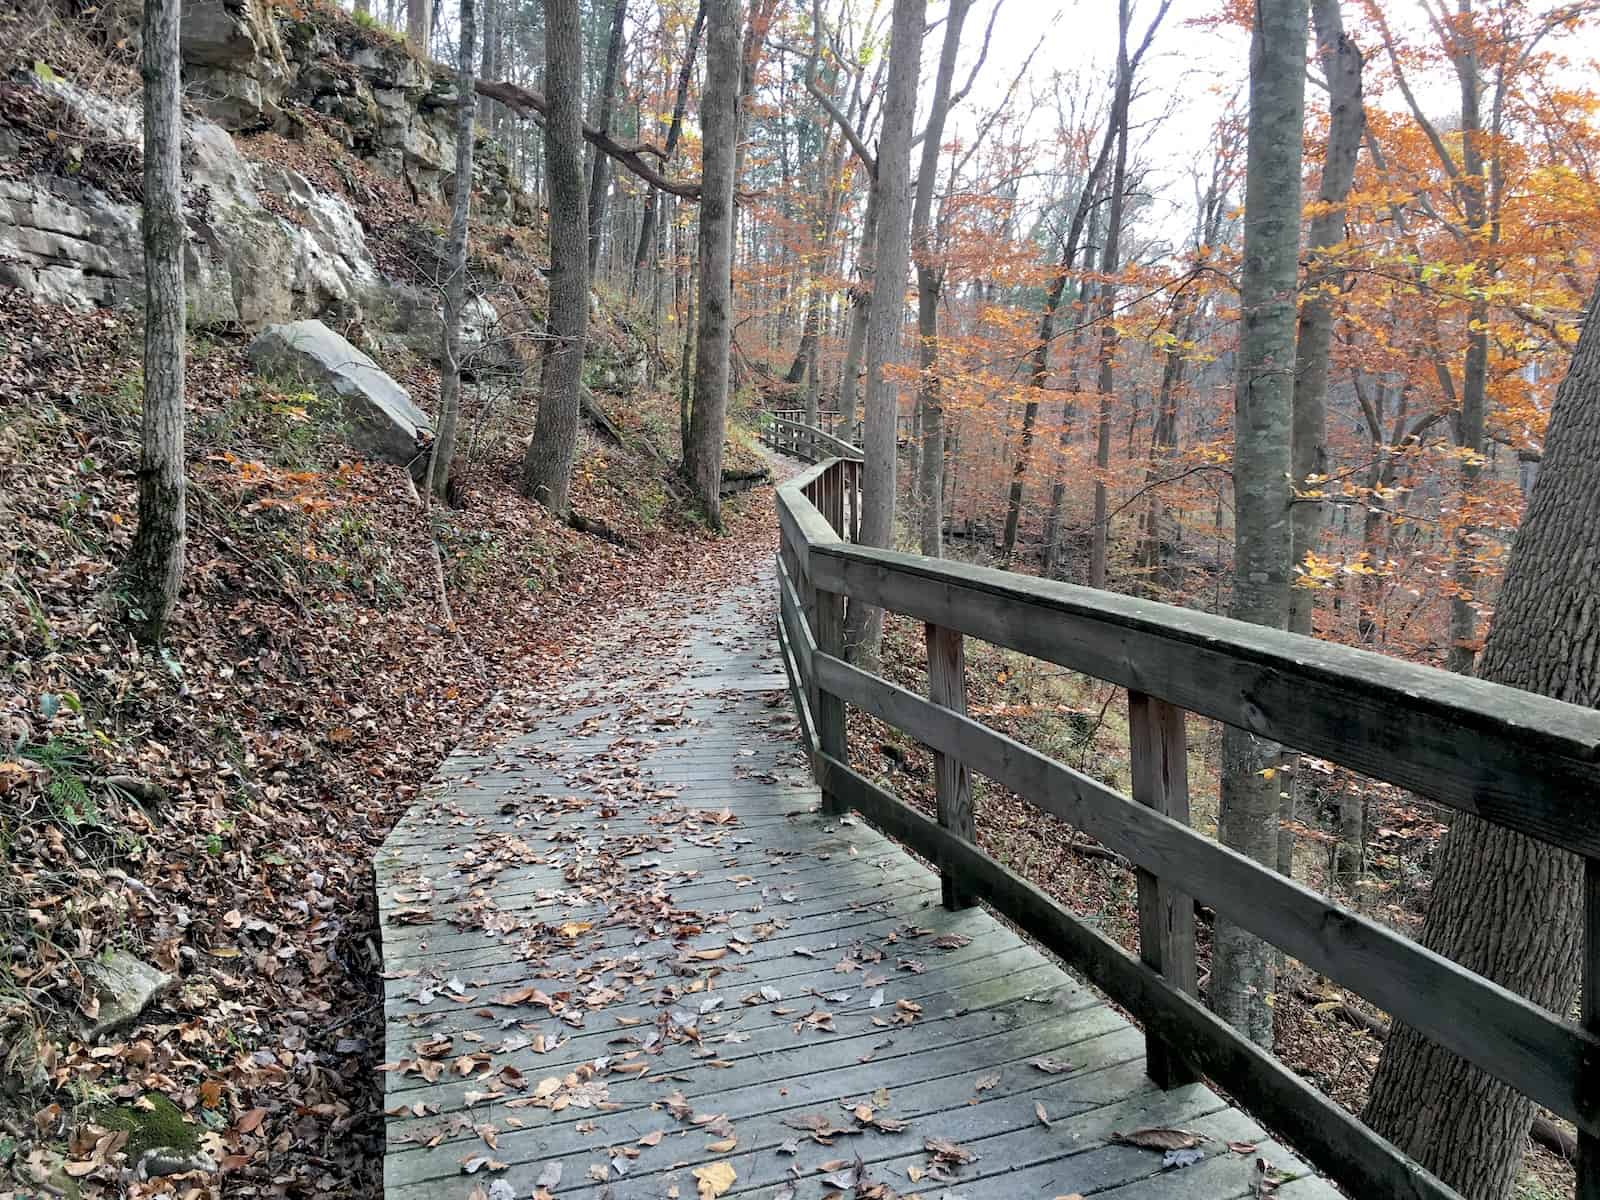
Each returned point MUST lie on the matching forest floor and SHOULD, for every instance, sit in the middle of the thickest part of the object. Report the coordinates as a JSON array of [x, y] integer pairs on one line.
[[307, 693]]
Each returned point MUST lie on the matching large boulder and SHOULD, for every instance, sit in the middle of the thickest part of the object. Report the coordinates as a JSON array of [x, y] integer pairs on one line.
[[381, 418]]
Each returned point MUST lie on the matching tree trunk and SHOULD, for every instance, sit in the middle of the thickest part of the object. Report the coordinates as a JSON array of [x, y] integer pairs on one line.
[[652, 207], [1503, 905], [1241, 970], [719, 123], [419, 21], [455, 256], [600, 178], [547, 466], [860, 308], [864, 625], [1474, 375], [1106, 379], [155, 565], [1341, 64], [930, 281], [490, 57]]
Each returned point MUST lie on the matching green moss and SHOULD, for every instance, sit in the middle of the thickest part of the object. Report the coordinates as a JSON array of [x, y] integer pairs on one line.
[[153, 1122]]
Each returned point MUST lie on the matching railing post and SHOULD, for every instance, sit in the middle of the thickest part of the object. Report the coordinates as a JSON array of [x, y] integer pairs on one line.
[[947, 686], [1166, 916], [829, 709], [1588, 1186]]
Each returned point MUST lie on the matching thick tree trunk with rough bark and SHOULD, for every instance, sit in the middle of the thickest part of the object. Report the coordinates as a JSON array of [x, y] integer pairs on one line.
[[864, 625], [1503, 905], [600, 176], [1242, 964], [455, 260], [930, 280], [547, 466], [719, 124], [155, 565]]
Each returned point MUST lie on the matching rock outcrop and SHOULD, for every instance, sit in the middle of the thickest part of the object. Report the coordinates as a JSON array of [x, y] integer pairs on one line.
[[267, 245], [71, 242], [380, 417]]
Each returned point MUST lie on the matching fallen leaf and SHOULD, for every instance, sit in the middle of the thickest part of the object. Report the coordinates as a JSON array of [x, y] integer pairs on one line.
[[714, 1179]]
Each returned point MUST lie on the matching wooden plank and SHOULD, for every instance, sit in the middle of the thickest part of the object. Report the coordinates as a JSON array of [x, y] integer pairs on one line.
[[947, 687], [1336, 1141], [830, 717], [1004, 1132], [810, 1072], [1160, 760], [1524, 761], [1509, 1037]]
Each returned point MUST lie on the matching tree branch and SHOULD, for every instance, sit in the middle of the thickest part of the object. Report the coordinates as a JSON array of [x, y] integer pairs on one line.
[[532, 104]]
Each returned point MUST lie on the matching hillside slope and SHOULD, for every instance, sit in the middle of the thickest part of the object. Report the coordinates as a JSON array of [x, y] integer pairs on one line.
[[211, 811]]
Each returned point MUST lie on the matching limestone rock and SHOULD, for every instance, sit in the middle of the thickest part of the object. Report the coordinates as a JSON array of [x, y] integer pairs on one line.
[[234, 66], [381, 417], [126, 986]]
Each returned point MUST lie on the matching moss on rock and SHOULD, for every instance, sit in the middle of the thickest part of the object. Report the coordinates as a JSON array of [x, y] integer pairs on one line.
[[153, 1122]]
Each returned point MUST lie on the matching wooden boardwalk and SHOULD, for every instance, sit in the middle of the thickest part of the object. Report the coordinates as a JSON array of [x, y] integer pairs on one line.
[[629, 957]]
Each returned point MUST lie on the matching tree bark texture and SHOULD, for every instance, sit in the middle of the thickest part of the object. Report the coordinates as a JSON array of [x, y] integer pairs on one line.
[[1341, 66], [156, 558], [930, 281], [455, 258], [719, 124], [1503, 905], [864, 627], [547, 466], [1242, 964]]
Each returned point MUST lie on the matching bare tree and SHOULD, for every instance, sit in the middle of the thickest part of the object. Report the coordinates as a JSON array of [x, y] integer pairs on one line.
[[1039, 375], [419, 23], [653, 203], [1242, 964], [864, 625], [719, 124], [155, 564], [455, 265], [1341, 66], [547, 466], [600, 178], [930, 280]]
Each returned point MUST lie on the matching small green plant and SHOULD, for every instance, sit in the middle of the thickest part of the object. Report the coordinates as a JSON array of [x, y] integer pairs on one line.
[[67, 761]]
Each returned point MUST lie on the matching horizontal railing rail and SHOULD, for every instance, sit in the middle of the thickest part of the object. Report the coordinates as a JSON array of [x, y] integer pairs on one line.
[[1519, 760]]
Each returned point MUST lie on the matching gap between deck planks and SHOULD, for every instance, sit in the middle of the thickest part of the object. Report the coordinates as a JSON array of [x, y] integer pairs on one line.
[[582, 821]]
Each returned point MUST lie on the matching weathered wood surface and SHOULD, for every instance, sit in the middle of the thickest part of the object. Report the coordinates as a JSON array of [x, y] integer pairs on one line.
[[1506, 1035], [606, 855], [1520, 760]]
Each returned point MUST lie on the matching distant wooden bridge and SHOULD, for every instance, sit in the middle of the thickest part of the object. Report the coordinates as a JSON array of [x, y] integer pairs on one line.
[[649, 948]]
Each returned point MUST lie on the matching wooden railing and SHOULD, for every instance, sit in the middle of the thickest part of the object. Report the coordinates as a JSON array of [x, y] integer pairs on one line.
[[1519, 760], [794, 437], [838, 436]]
